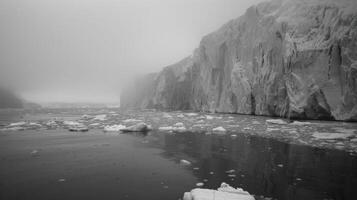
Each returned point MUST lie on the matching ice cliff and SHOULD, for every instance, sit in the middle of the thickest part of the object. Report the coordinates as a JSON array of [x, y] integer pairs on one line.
[[287, 58]]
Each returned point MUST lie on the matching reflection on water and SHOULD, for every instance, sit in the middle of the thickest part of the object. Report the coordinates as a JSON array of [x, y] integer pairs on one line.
[[263, 166]]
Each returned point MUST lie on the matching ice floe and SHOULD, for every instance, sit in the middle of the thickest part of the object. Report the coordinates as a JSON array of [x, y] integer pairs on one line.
[[181, 116], [100, 117], [17, 124], [209, 117], [332, 136], [131, 120], [185, 162], [191, 114], [200, 184], [140, 127], [225, 192], [219, 129], [116, 127], [71, 123], [276, 121], [299, 123], [78, 128]]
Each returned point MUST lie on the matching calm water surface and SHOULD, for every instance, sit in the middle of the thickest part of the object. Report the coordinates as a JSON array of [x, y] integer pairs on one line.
[[96, 165]]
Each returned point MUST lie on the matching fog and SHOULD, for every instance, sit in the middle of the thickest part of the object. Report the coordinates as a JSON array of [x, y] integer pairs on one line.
[[84, 50]]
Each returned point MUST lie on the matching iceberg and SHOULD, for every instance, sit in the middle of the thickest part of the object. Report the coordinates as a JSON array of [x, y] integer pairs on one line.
[[219, 129], [100, 117], [116, 127], [140, 127], [332, 136], [276, 121], [225, 192]]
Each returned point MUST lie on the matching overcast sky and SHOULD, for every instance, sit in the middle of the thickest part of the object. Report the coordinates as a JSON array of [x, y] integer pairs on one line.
[[83, 50]]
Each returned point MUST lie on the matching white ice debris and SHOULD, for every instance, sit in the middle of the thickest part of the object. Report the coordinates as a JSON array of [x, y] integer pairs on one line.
[[51, 123], [255, 122], [179, 124], [165, 115], [166, 128], [181, 115], [272, 129], [332, 136], [100, 117], [17, 124], [140, 127], [34, 152], [225, 192], [276, 121], [14, 128], [131, 120], [94, 124], [185, 162], [298, 123], [71, 123], [34, 124], [233, 135], [115, 127], [191, 114], [344, 130], [173, 128], [219, 129], [199, 184], [78, 128], [230, 171], [86, 117], [209, 117]]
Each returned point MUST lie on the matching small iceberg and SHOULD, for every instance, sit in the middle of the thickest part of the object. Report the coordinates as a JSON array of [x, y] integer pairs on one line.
[[225, 192], [276, 121], [191, 114], [71, 123], [17, 124], [116, 127], [78, 128], [298, 123], [140, 127], [179, 124], [100, 117], [219, 129], [131, 120], [332, 136], [185, 162], [181, 116], [209, 117]]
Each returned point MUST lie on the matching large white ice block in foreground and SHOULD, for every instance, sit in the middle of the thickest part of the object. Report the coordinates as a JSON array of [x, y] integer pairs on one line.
[[225, 192]]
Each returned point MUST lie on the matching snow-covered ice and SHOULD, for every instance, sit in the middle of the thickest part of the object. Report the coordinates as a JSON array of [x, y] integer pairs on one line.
[[115, 127], [276, 121], [131, 120], [100, 117], [225, 192], [332, 136], [219, 129], [185, 162]]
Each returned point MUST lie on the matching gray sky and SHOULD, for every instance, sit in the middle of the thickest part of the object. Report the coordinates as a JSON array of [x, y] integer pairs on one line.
[[83, 50]]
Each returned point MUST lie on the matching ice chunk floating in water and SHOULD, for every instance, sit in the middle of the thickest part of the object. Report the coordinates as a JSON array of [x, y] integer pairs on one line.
[[116, 127], [225, 192], [332, 136]]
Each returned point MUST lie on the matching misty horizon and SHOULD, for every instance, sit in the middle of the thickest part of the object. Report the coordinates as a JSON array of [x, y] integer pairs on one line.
[[85, 51]]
